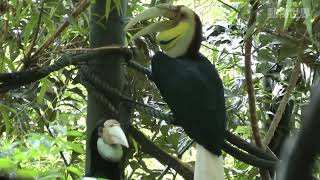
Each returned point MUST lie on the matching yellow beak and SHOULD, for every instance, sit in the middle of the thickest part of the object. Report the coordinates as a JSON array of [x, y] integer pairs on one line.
[[161, 10]]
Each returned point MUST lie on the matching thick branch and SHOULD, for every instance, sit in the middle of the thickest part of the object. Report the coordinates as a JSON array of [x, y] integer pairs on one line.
[[248, 158], [250, 148], [16, 79]]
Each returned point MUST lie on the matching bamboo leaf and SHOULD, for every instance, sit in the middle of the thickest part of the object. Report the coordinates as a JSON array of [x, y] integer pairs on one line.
[[288, 14], [108, 8], [307, 12], [44, 87], [118, 6]]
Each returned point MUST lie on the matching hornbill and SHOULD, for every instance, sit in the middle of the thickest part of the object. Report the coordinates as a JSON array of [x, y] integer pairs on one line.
[[106, 143], [189, 83]]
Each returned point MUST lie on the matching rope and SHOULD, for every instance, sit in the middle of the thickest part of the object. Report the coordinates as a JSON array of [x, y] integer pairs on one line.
[[107, 89]]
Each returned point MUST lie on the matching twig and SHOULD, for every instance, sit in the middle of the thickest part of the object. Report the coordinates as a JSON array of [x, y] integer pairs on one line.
[[229, 6], [250, 87], [34, 39], [285, 99], [82, 6], [248, 76]]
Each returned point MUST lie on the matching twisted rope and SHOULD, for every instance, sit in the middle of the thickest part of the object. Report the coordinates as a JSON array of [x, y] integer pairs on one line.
[[107, 89]]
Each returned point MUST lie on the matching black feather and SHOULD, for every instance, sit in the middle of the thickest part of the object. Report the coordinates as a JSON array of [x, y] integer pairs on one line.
[[193, 90]]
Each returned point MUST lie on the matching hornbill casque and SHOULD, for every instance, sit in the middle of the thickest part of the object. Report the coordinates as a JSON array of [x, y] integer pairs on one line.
[[106, 143], [188, 82]]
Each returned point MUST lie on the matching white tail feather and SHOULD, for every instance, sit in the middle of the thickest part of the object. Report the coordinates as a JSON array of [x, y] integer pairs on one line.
[[208, 166]]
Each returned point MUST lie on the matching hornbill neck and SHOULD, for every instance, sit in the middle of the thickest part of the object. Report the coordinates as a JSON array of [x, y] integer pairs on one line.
[[195, 44]]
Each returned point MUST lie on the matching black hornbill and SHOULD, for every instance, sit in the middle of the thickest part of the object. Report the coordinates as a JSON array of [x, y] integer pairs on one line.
[[189, 83], [106, 143]]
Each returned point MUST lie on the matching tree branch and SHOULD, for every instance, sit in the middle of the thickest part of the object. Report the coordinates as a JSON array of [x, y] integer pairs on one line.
[[248, 158], [282, 106], [250, 87], [16, 79], [248, 76], [229, 6], [36, 32], [250, 148]]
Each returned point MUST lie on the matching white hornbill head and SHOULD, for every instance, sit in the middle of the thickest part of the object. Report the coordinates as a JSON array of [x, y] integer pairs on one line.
[[180, 32], [111, 138]]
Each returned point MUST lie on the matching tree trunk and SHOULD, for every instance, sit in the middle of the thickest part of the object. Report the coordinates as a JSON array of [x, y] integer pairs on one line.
[[104, 32]]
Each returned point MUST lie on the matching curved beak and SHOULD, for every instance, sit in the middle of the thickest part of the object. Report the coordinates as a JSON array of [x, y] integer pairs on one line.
[[112, 133], [116, 135], [161, 10]]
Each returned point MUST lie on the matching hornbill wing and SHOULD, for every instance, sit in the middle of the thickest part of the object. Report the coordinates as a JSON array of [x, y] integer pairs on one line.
[[199, 81]]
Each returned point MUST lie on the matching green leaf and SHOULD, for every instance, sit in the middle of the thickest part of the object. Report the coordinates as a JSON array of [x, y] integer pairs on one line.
[[307, 12], [265, 39], [45, 84], [27, 173], [244, 130], [48, 23], [5, 117], [7, 164], [9, 63], [279, 3], [287, 51], [75, 133], [108, 8], [76, 147], [74, 170], [21, 156], [118, 6], [265, 55], [250, 31], [288, 14], [135, 145], [30, 27]]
